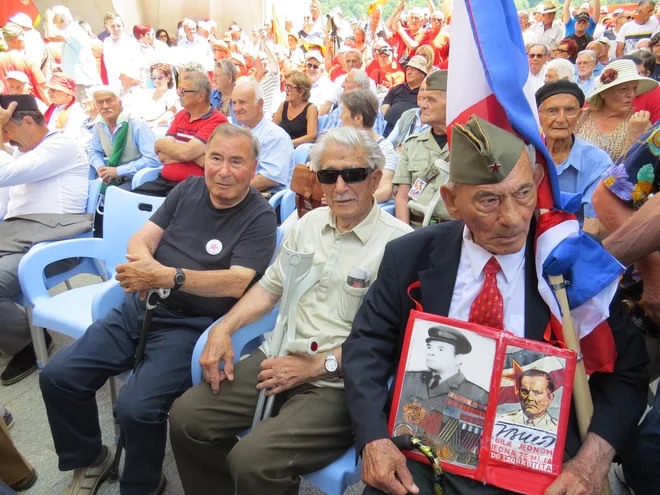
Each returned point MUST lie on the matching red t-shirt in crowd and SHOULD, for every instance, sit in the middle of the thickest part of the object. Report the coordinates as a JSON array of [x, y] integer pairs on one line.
[[336, 71], [649, 102], [388, 77], [15, 60], [440, 44], [183, 130], [399, 46]]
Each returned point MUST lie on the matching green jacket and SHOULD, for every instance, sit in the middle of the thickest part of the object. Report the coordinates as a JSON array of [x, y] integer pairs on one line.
[[419, 155]]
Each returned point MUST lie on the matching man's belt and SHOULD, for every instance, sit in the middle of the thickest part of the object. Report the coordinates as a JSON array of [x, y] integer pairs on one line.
[[414, 217]]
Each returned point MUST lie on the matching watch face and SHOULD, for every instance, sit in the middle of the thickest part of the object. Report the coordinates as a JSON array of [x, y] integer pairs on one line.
[[179, 278], [331, 365]]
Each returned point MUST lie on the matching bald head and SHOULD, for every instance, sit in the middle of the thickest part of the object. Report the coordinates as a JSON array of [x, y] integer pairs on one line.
[[248, 99]]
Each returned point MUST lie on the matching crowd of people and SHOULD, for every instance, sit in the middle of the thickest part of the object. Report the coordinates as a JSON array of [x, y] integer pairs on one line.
[[222, 117]]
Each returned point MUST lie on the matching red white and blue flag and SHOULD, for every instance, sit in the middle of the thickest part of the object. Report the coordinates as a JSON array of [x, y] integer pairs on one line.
[[489, 76]]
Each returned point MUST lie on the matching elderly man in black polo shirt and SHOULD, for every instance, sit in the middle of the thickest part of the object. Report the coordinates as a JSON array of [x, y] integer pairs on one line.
[[403, 96], [209, 242]]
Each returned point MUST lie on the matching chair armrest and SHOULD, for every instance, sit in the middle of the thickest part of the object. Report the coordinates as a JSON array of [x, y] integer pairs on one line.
[[32, 265], [110, 296], [238, 341], [145, 175]]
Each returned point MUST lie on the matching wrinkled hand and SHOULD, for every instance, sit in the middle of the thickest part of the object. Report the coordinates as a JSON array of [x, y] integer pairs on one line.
[[577, 478], [108, 174], [638, 123], [141, 274], [218, 348], [384, 468], [651, 296], [5, 115], [284, 373]]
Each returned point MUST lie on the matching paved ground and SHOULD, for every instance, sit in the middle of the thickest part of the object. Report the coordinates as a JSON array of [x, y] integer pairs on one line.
[[32, 434]]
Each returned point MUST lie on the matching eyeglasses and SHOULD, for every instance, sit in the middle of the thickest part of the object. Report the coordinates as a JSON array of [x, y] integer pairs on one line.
[[627, 16], [436, 19], [289, 87], [348, 175], [158, 78], [562, 51], [183, 91], [312, 66], [569, 112], [536, 55]]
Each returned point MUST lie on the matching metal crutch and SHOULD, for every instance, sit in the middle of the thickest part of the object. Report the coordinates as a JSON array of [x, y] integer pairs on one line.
[[294, 267], [153, 297], [409, 442]]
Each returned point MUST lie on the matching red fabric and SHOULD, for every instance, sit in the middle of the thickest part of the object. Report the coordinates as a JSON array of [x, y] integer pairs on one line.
[[335, 72], [8, 8], [183, 130], [398, 45], [649, 102], [15, 60], [388, 77], [440, 43], [488, 307]]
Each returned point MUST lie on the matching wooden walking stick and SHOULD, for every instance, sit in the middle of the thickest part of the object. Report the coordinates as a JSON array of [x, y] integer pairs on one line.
[[584, 406]]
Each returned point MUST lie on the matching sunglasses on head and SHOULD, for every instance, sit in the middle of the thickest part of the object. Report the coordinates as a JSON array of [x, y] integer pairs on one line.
[[348, 175]]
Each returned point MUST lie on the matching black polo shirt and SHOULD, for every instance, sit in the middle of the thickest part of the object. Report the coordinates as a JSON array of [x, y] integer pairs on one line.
[[199, 236]]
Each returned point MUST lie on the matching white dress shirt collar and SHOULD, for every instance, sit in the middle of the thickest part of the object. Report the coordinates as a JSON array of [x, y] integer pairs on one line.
[[478, 257]]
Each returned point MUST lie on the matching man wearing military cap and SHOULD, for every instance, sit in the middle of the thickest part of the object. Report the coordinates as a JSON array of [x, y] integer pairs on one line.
[[444, 350], [423, 166], [485, 259]]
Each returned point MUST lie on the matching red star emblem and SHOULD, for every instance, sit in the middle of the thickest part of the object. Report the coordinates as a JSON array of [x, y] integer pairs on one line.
[[495, 167], [214, 246], [517, 370]]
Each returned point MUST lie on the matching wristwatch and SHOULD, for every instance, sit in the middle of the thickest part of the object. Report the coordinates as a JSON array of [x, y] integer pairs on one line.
[[332, 365], [179, 279]]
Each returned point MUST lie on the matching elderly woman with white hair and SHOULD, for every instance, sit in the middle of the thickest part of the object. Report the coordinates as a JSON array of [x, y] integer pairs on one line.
[[78, 61], [559, 69]]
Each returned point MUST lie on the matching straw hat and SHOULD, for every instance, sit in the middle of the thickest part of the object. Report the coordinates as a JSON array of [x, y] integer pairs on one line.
[[549, 7], [620, 72]]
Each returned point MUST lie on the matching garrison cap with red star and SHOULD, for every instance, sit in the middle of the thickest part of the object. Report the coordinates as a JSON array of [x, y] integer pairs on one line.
[[482, 153]]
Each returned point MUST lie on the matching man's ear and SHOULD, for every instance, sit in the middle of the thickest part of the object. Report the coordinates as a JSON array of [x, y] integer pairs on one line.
[[449, 195], [539, 173]]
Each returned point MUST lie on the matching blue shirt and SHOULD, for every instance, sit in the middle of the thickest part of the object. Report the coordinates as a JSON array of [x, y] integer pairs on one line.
[[216, 101], [570, 27], [416, 129], [588, 86], [276, 156], [144, 140], [333, 121], [581, 172], [598, 69]]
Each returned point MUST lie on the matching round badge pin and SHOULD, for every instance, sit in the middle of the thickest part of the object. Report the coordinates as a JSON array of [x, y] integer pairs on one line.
[[213, 247]]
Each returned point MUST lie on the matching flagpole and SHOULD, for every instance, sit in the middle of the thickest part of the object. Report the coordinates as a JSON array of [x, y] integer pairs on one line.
[[584, 406]]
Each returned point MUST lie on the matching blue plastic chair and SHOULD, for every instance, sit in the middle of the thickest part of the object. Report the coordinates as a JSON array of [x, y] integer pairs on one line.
[[323, 119], [70, 312], [332, 479], [301, 153], [145, 175], [286, 200]]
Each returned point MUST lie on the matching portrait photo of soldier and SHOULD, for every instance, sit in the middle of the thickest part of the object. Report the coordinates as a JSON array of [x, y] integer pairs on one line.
[[536, 393]]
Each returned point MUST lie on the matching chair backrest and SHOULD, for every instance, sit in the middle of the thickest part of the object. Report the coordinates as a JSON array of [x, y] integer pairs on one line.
[[302, 152], [125, 213], [323, 119], [93, 195]]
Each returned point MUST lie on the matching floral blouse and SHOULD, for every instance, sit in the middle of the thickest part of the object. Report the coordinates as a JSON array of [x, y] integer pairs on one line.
[[636, 175], [614, 144]]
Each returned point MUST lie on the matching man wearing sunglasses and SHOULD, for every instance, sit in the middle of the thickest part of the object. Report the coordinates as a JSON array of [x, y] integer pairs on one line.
[[537, 57], [322, 86], [312, 427], [579, 163], [643, 26]]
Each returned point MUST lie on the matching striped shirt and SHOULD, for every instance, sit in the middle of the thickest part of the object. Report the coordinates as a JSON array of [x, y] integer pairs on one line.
[[270, 84]]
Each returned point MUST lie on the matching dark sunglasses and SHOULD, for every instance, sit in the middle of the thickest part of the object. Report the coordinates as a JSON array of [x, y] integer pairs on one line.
[[348, 175], [312, 66], [536, 55]]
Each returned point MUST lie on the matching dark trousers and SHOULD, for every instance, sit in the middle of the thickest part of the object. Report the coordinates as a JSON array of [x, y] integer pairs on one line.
[[312, 428], [70, 380], [159, 187], [454, 485]]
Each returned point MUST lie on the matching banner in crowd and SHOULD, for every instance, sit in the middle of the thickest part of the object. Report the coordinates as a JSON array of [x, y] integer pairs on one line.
[[9, 8]]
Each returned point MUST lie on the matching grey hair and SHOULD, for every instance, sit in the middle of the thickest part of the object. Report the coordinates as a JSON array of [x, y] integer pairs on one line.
[[545, 47], [193, 66], [350, 138], [360, 78], [531, 151], [18, 116], [565, 69], [353, 50], [361, 102], [589, 53], [229, 69], [189, 23], [228, 130], [256, 87], [64, 13], [200, 82]]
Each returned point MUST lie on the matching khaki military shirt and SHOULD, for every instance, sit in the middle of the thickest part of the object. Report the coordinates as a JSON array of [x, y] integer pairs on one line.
[[326, 311], [419, 155]]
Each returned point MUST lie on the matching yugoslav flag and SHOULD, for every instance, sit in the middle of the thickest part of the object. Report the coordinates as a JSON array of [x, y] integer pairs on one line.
[[489, 76]]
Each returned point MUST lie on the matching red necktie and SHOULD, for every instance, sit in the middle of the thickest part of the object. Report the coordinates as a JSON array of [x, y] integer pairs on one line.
[[488, 307]]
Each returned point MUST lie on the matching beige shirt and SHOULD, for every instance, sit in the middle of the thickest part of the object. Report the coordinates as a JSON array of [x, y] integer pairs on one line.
[[326, 311]]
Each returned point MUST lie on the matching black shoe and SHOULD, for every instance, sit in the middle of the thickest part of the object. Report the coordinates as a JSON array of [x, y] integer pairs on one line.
[[23, 363], [26, 483]]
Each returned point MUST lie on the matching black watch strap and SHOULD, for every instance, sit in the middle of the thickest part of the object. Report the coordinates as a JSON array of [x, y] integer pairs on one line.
[[179, 279]]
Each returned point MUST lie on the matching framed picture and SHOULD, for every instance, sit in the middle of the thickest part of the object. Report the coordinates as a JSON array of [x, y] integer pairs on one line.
[[488, 403]]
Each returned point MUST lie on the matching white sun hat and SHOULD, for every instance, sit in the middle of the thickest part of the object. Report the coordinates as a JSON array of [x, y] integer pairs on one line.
[[620, 72]]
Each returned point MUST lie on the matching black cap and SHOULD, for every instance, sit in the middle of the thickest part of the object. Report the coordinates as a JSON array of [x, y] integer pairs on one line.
[[26, 103], [559, 88], [451, 336], [385, 49], [582, 16]]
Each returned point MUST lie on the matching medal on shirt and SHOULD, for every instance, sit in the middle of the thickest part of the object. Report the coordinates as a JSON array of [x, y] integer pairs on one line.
[[213, 247]]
